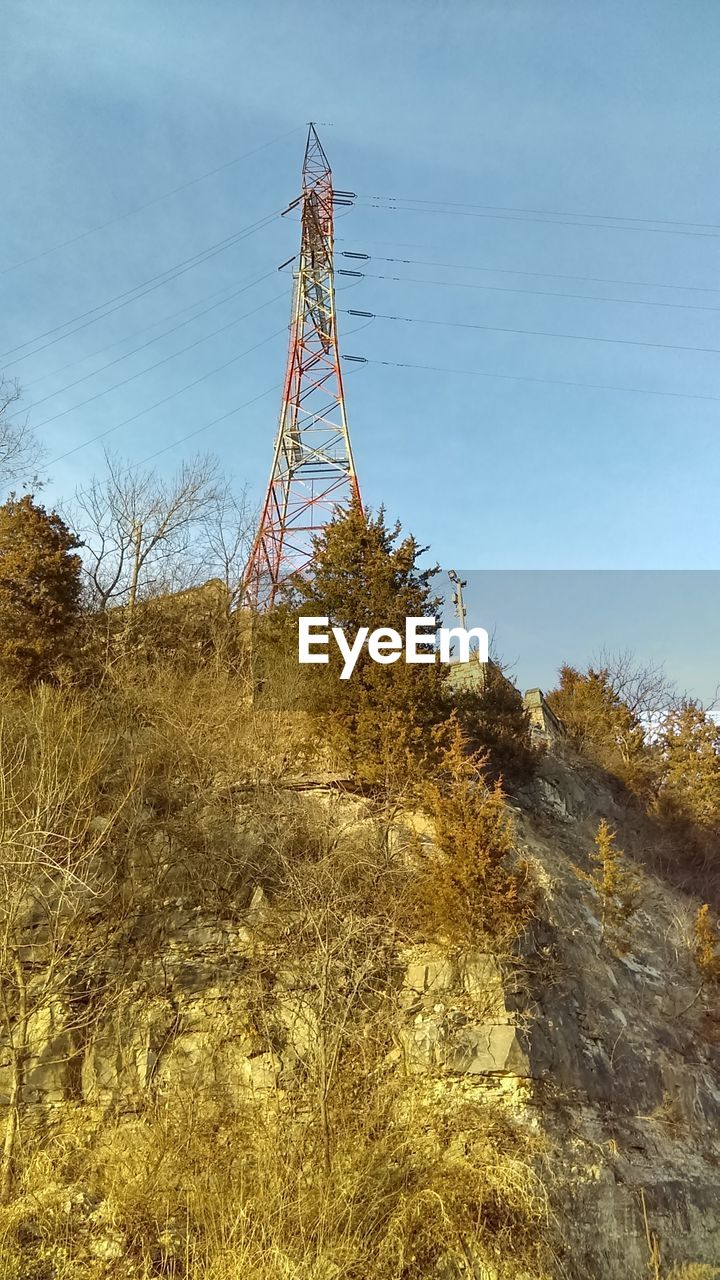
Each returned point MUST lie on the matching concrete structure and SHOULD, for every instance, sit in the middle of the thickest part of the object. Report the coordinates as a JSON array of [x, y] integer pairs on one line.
[[542, 719]]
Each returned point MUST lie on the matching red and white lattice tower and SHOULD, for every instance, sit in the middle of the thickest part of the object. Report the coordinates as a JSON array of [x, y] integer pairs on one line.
[[313, 471]]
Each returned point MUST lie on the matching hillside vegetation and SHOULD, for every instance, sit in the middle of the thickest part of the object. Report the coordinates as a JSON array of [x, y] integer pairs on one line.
[[196, 835]]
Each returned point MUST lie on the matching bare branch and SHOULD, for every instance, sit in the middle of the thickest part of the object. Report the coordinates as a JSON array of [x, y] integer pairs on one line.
[[645, 689], [226, 533], [20, 453], [144, 534]]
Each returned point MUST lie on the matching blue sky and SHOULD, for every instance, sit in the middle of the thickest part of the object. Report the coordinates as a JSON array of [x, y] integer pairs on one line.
[[540, 619], [603, 110]]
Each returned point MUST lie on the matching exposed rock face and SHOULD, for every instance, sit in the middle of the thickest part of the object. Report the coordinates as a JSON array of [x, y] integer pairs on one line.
[[460, 1024], [615, 1054], [623, 1047]]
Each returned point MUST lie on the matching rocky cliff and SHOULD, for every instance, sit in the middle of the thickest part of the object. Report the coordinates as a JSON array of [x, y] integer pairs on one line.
[[602, 1061]]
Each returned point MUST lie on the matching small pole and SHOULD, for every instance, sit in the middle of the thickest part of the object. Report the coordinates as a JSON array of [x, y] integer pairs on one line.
[[457, 598]]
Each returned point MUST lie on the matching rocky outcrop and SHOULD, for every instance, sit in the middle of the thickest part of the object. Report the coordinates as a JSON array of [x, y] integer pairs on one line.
[[614, 1053]]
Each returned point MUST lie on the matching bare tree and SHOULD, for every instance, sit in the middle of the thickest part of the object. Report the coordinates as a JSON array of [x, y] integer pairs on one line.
[[142, 533], [226, 530], [19, 450], [645, 689]]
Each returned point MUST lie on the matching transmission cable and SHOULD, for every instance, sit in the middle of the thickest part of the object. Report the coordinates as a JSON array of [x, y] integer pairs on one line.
[[550, 213], [395, 206], [517, 377], [135, 333], [158, 363], [166, 448], [173, 445], [173, 394], [536, 333], [148, 203], [512, 271], [140, 290], [539, 293], [165, 333]]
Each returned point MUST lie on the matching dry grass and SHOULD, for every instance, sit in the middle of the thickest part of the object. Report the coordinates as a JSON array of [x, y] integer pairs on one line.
[[346, 1169], [694, 1271], [188, 1190]]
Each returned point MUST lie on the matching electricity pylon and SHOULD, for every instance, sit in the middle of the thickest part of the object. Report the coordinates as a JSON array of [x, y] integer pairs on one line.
[[313, 469]]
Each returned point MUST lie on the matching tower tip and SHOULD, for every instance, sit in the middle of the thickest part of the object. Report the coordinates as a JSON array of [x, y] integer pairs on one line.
[[314, 150]]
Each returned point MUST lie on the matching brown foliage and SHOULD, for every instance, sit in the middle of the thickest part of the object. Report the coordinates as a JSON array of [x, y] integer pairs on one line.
[[365, 574], [39, 591], [707, 945], [347, 1169], [603, 727], [616, 885], [496, 722], [690, 749], [473, 891]]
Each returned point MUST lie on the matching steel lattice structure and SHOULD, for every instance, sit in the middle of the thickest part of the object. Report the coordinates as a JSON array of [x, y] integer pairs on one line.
[[313, 469]]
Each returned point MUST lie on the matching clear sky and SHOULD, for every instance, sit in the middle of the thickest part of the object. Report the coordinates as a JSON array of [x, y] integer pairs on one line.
[[539, 619], [584, 137]]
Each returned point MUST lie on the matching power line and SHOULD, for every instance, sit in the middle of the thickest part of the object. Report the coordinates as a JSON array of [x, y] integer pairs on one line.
[[552, 382], [393, 205], [165, 333], [126, 471], [158, 363], [537, 333], [544, 275], [539, 293], [182, 439], [140, 290], [560, 213], [158, 403], [148, 203], [166, 448], [135, 333]]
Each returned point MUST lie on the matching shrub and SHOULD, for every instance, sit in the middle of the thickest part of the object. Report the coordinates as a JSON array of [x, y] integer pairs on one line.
[[706, 948], [382, 718], [690, 749], [188, 1189], [39, 591], [602, 726], [617, 887], [694, 1271], [472, 891], [496, 722]]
